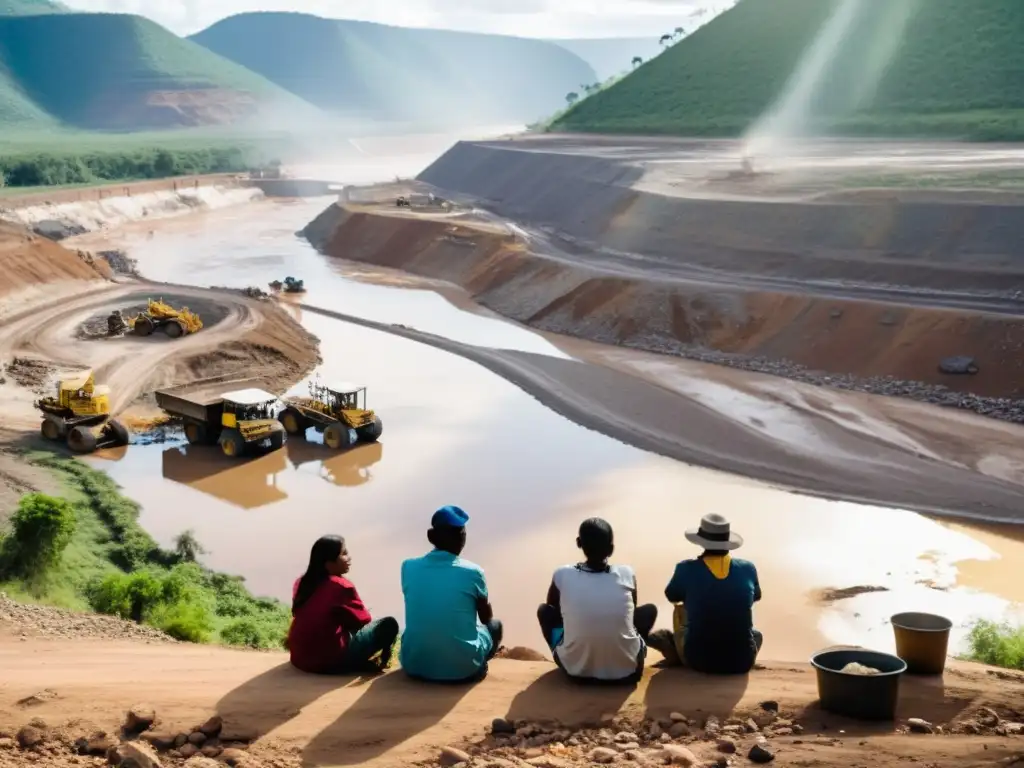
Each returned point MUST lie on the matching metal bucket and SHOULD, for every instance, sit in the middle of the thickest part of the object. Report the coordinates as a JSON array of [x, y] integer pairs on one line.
[[864, 697], [922, 640]]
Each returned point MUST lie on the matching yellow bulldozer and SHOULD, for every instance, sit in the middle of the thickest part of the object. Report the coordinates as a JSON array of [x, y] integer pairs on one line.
[[161, 316], [80, 415], [338, 411]]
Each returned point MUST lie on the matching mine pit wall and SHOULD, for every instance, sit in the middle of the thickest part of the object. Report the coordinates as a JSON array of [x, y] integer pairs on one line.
[[875, 238], [840, 337]]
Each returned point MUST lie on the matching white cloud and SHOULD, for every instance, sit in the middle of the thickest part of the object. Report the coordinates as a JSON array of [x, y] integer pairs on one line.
[[532, 18]]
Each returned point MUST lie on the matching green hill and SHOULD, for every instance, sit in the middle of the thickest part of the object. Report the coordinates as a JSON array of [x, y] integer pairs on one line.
[[422, 76], [957, 71], [120, 72]]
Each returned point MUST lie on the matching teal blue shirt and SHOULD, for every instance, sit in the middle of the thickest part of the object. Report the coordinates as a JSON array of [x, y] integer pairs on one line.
[[443, 638]]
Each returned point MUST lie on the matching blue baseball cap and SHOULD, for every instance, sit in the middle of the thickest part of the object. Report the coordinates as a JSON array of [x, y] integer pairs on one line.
[[449, 516]]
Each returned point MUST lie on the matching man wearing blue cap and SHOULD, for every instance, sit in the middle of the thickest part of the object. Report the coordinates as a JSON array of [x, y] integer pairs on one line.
[[450, 629]]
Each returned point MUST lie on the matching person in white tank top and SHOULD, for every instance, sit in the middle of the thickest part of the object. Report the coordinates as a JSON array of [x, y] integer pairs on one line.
[[591, 621]]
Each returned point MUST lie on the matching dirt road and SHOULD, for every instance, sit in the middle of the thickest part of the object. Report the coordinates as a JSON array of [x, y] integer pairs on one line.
[[42, 334], [389, 721]]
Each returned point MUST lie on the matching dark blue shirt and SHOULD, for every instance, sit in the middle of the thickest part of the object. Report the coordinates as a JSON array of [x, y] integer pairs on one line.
[[719, 637]]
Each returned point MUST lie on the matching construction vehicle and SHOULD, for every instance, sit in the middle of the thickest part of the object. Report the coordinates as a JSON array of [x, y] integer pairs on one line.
[[235, 419], [403, 202], [161, 316], [80, 415], [290, 285], [116, 324], [338, 411]]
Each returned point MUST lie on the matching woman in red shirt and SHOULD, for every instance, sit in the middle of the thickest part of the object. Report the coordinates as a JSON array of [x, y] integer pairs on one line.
[[332, 632]]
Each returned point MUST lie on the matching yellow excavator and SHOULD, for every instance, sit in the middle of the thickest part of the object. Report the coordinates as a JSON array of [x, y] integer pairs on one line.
[[337, 410], [80, 415], [161, 316]]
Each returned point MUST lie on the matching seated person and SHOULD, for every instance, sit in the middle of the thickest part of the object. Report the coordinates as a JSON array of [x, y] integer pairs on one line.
[[332, 632], [591, 620], [714, 629], [450, 629]]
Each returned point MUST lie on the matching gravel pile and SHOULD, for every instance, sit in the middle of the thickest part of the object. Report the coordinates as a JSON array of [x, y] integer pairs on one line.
[[27, 621]]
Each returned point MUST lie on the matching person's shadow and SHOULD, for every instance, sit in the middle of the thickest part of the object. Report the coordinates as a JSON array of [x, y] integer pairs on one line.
[[263, 703], [391, 709], [553, 697], [692, 693]]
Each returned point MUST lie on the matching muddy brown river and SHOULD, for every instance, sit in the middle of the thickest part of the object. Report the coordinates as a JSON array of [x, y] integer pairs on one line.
[[454, 433]]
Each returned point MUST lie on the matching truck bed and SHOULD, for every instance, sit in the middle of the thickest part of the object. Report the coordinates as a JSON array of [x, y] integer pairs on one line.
[[201, 401]]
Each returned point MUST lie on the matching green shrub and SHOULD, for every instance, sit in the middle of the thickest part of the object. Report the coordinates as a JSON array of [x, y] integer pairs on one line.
[[184, 621], [41, 529], [999, 645]]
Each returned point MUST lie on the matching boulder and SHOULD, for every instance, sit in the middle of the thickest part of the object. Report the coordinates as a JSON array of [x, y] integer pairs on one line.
[[139, 718], [30, 737], [133, 755], [959, 365]]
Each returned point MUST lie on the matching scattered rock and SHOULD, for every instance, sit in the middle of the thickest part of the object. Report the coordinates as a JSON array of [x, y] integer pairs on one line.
[[233, 756], [139, 718], [212, 727], [36, 699], [451, 756], [726, 746], [679, 755], [750, 726], [6, 743], [548, 761], [180, 740], [770, 706], [678, 730], [1010, 729], [678, 717], [987, 717], [603, 755], [30, 737], [959, 365], [211, 750], [133, 755], [197, 737], [917, 725], [501, 725], [241, 734], [188, 750], [198, 761], [99, 743], [161, 740], [759, 754]]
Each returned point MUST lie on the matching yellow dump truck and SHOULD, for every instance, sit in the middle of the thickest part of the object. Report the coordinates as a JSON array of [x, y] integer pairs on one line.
[[338, 411], [161, 316], [80, 415], [237, 420]]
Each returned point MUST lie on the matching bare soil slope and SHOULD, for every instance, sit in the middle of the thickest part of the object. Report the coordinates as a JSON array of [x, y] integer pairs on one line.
[[580, 296], [27, 259], [390, 721]]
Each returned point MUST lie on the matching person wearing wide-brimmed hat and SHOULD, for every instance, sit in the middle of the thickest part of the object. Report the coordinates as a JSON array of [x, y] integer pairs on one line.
[[714, 596]]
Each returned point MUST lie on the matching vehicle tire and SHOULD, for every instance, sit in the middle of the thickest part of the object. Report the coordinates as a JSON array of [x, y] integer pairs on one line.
[[294, 423], [276, 440], [143, 326], [174, 329], [81, 440], [50, 429], [118, 432], [231, 443], [337, 436], [195, 433], [371, 432]]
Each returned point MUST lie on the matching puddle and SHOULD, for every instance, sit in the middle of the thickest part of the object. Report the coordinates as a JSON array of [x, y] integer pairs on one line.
[[456, 434]]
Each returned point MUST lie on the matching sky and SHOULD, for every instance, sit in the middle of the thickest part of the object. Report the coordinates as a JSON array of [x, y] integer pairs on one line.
[[528, 18]]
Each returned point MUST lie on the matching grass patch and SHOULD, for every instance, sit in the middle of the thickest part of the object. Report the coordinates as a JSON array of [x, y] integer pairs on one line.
[[998, 645], [954, 74], [111, 565]]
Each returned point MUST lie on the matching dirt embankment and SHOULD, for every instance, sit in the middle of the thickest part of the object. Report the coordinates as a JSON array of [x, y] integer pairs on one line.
[[27, 259], [612, 198], [524, 713], [760, 330]]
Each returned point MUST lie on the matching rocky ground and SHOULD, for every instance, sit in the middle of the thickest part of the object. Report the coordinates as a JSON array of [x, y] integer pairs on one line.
[[27, 621]]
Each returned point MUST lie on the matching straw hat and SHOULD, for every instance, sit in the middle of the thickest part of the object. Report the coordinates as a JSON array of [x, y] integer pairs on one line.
[[715, 534]]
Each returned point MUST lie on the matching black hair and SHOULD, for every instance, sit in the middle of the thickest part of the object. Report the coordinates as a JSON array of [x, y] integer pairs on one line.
[[325, 549], [596, 540], [447, 538]]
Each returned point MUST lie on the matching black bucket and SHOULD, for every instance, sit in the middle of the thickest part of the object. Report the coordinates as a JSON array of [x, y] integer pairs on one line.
[[864, 697]]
